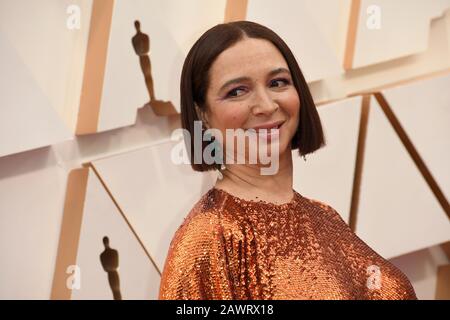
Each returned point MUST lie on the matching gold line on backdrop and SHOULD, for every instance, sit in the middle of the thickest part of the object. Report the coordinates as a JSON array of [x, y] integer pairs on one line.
[[359, 162], [116, 204], [71, 228], [351, 34], [235, 10], [69, 237], [95, 65], [401, 133]]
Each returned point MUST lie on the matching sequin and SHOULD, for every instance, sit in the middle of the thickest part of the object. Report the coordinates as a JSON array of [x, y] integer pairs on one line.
[[231, 248]]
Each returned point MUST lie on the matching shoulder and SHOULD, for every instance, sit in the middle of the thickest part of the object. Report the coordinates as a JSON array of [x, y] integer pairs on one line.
[[393, 284], [322, 210], [205, 229], [196, 253], [207, 219]]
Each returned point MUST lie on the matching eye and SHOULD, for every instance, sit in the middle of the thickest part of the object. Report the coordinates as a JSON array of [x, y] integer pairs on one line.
[[235, 92], [280, 82]]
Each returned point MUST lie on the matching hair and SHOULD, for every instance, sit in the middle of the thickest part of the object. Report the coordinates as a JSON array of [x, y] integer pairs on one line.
[[195, 81]]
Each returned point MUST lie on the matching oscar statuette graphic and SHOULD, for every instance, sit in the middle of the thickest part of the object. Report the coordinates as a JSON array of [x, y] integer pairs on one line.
[[110, 262], [141, 45]]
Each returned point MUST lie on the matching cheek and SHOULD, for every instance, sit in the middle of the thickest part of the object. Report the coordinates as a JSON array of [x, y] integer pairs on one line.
[[291, 106], [231, 115]]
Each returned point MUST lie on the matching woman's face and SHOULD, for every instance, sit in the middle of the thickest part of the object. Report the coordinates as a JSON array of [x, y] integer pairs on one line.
[[251, 87]]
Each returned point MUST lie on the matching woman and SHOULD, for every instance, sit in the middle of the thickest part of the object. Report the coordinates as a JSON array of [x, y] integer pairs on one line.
[[252, 236]]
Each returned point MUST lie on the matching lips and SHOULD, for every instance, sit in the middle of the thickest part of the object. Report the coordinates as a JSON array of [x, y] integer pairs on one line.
[[268, 126]]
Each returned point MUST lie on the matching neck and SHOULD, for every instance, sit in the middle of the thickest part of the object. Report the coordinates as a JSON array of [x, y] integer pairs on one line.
[[246, 181]]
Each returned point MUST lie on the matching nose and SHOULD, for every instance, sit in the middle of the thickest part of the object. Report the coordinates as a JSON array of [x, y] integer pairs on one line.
[[263, 103]]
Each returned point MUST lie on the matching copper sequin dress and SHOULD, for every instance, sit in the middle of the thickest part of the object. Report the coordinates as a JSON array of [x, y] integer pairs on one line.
[[231, 248]]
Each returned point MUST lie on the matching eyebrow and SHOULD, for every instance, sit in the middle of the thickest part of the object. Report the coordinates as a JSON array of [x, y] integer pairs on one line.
[[240, 79]]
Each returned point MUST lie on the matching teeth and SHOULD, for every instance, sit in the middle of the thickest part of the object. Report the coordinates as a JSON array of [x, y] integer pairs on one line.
[[268, 129]]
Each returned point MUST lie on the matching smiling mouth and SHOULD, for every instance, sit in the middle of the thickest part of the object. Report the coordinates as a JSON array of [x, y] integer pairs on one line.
[[267, 128]]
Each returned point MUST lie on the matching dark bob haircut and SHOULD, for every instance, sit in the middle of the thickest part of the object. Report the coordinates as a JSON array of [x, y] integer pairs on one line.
[[195, 81]]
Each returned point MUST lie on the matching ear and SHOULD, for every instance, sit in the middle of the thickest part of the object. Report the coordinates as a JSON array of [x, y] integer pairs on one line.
[[202, 116]]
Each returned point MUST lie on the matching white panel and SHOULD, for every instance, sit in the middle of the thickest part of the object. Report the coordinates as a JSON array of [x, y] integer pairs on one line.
[[154, 193], [138, 278], [447, 25], [404, 29], [332, 18], [32, 189], [314, 53], [397, 212], [435, 59], [173, 26], [421, 269], [148, 130], [327, 174], [52, 54], [423, 109], [27, 118]]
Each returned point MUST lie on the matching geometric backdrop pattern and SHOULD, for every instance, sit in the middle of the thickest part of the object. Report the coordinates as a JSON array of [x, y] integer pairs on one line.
[[384, 104]]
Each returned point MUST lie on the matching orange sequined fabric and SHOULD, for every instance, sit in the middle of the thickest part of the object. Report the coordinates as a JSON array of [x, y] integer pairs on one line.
[[230, 248]]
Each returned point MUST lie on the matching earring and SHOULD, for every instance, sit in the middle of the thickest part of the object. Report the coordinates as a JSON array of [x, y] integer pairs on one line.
[[219, 173], [218, 152], [304, 158]]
